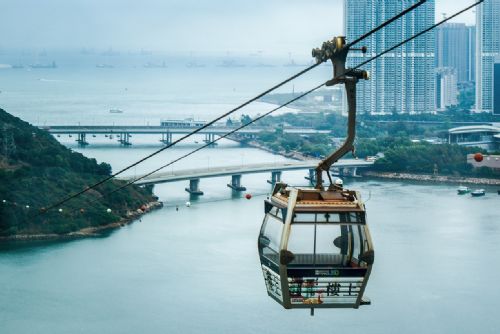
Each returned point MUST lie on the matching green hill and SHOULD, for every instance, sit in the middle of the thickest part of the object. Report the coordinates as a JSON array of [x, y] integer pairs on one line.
[[36, 171]]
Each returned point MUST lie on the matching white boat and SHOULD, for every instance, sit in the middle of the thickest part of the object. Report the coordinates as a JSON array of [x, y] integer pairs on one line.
[[462, 190]]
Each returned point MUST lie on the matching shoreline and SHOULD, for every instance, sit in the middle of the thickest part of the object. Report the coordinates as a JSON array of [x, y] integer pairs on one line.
[[294, 155], [432, 178], [95, 231], [132, 216], [393, 175]]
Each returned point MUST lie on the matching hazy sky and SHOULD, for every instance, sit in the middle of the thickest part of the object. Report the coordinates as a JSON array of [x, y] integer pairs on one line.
[[273, 26]]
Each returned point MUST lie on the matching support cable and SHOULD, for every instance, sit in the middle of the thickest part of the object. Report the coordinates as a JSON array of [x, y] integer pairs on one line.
[[420, 33], [386, 23], [215, 140], [349, 71], [52, 206]]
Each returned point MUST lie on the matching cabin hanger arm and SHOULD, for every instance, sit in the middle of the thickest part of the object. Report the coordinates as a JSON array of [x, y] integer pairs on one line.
[[336, 51]]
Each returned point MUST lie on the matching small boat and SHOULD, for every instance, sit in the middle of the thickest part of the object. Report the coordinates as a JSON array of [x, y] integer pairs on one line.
[[462, 190], [478, 192], [116, 111]]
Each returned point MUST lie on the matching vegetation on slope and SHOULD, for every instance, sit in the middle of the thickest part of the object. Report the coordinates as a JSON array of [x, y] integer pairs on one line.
[[400, 153], [36, 171]]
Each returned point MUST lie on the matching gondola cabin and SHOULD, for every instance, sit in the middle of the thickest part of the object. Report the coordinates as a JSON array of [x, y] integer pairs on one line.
[[315, 248]]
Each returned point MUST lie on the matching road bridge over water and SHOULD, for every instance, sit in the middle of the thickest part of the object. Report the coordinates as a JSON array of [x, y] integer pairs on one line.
[[124, 132], [343, 167]]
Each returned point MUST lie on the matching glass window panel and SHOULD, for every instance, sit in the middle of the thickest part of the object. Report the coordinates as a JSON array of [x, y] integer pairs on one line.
[[304, 217], [364, 240], [322, 217], [356, 242], [271, 236], [278, 214], [332, 244], [333, 218], [325, 235], [301, 239]]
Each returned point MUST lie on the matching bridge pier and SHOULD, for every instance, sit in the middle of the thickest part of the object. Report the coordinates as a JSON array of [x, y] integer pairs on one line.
[[82, 139], [194, 187], [348, 171], [166, 138], [124, 139], [275, 177], [312, 176], [236, 183], [210, 137]]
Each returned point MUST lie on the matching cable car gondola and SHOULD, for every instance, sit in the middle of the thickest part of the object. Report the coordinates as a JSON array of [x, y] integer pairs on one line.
[[315, 248], [314, 244]]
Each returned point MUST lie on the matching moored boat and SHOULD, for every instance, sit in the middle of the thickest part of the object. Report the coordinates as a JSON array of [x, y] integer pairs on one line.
[[478, 192], [463, 190]]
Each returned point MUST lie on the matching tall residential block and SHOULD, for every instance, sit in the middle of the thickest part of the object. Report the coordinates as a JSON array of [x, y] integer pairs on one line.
[[471, 53], [487, 49], [496, 86], [402, 80], [453, 49], [446, 88]]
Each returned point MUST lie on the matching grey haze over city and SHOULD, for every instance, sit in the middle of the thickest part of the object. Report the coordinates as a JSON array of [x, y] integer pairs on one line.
[[273, 27]]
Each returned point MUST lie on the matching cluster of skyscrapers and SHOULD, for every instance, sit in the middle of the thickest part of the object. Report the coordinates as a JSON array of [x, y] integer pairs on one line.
[[423, 75]]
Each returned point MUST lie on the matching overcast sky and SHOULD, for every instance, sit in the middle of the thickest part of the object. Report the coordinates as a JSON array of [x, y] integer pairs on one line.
[[273, 26]]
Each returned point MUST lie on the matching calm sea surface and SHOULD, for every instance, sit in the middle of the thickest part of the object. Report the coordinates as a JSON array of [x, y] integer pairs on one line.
[[196, 270]]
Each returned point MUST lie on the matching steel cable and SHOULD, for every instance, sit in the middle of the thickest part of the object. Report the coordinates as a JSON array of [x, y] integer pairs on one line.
[[59, 203]]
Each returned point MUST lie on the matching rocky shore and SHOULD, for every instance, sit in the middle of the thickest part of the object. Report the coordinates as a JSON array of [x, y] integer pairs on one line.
[[433, 178], [96, 231]]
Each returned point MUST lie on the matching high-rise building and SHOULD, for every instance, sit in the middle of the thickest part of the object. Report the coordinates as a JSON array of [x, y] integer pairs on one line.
[[496, 86], [487, 48], [402, 80], [446, 88], [456, 47], [451, 48], [471, 53]]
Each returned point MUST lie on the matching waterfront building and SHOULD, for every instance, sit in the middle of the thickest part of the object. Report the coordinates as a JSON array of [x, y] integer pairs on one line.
[[446, 88], [404, 79], [487, 49], [484, 136]]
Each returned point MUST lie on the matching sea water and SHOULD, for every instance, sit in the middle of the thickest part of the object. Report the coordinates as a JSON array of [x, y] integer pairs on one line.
[[196, 269]]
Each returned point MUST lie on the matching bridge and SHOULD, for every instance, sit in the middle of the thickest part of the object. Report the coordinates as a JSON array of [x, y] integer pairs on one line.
[[343, 167], [124, 132]]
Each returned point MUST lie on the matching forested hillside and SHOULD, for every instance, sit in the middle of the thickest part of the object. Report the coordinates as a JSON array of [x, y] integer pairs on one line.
[[36, 171]]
